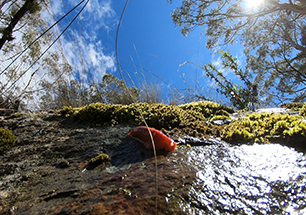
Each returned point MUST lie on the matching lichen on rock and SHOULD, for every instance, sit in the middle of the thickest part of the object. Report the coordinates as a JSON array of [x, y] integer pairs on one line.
[[7, 139]]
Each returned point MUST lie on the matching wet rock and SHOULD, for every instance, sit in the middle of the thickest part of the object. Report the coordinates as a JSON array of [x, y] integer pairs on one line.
[[47, 172], [258, 179], [63, 164]]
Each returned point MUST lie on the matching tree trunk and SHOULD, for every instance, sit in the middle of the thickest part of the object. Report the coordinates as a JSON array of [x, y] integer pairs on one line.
[[7, 32]]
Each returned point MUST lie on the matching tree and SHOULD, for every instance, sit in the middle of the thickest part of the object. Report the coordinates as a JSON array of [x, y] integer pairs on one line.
[[113, 91], [73, 93], [21, 24], [240, 95], [273, 36], [30, 6]]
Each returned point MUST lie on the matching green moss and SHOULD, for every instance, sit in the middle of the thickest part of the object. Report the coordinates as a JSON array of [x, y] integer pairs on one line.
[[101, 158], [156, 115], [126, 192], [303, 110], [265, 127], [16, 115], [219, 117], [292, 105], [7, 139], [207, 109], [200, 130]]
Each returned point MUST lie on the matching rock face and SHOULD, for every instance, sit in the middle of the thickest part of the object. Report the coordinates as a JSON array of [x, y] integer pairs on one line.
[[48, 172]]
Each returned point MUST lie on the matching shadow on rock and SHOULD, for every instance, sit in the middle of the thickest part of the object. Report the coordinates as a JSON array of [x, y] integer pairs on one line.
[[131, 151]]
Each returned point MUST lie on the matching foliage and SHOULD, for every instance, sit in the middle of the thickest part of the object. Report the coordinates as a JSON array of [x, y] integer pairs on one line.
[[11, 103], [114, 91], [73, 93], [240, 96], [201, 129], [100, 157], [150, 93], [273, 36], [14, 15], [266, 127], [21, 24], [156, 115], [7, 139]]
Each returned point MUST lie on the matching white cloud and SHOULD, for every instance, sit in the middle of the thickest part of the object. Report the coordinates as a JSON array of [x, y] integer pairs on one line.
[[85, 51]]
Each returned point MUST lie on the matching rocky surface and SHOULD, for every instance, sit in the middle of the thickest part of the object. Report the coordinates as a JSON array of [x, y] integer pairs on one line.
[[48, 172]]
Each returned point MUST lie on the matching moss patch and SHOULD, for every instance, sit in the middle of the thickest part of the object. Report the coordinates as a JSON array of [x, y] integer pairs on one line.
[[7, 140], [156, 115], [16, 115], [266, 127], [207, 109], [303, 110], [190, 119], [96, 161], [294, 106]]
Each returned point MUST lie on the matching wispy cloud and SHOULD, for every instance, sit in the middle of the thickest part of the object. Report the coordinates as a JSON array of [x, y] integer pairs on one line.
[[82, 44]]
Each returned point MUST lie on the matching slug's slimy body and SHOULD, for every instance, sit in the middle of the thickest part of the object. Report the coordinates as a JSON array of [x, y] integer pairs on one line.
[[161, 141]]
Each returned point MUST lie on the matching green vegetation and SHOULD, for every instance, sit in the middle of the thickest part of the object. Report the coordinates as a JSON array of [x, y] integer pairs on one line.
[[239, 95], [264, 128], [294, 106], [207, 108], [220, 117], [274, 50], [126, 192], [201, 129], [191, 119], [98, 160], [7, 139], [156, 115], [16, 115], [303, 110], [101, 158]]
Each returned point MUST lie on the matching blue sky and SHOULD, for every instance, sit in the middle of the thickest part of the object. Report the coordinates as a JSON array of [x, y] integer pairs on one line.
[[147, 38], [147, 27]]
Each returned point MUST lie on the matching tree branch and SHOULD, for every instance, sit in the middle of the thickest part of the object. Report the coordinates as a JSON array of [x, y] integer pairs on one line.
[[7, 32]]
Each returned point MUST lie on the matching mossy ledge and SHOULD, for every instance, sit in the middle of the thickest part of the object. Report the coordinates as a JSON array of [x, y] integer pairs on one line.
[[266, 128], [253, 128], [157, 115]]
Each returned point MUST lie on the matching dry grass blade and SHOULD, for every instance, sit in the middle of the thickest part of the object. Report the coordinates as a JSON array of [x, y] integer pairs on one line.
[[153, 144]]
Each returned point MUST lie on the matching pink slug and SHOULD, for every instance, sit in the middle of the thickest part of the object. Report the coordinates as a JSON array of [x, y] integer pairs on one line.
[[161, 141]]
